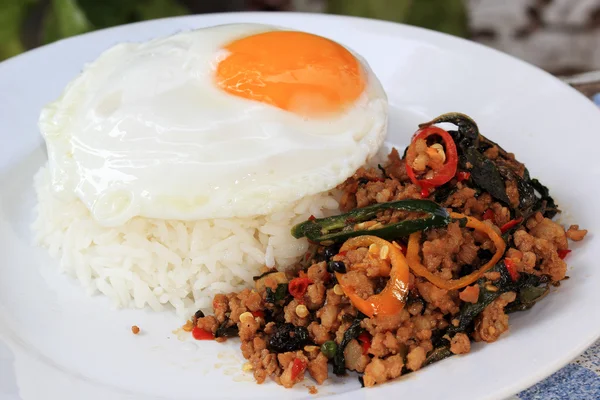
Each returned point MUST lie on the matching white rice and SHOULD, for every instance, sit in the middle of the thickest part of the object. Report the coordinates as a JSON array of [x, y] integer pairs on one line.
[[153, 262]]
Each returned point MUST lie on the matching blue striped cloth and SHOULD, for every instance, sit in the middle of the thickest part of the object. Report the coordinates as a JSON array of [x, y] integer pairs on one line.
[[580, 380]]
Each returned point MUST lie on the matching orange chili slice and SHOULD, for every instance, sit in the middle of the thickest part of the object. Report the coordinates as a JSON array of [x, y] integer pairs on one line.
[[392, 298], [414, 259]]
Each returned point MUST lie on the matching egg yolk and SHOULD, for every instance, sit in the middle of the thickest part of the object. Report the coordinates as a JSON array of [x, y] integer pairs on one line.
[[295, 71]]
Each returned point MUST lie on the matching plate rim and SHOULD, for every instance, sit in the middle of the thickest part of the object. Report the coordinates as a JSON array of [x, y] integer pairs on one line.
[[305, 15], [509, 390]]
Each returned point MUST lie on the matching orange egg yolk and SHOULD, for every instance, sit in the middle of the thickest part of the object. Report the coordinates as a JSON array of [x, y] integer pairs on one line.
[[295, 71]]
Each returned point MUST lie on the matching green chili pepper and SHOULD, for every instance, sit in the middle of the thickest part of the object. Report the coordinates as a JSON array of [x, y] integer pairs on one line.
[[342, 227], [329, 348], [466, 125]]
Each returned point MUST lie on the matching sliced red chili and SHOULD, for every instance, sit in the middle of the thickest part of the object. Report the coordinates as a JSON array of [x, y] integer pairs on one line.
[[201, 334], [297, 368], [563, 253], [258, 313], [365, 342], [312, 217], [463, 176], [424, 192], [297, 287], [512, 269], [488, 215], [510, 224], [441, 175]]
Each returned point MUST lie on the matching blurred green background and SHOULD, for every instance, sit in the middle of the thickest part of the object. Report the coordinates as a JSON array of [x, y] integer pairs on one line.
[[25, 24]]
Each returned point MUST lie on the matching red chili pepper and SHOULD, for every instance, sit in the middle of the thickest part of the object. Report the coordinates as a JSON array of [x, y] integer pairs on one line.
[[312, 217], [297, 287], [510, 224], [365, 342], [463, 176], [297, 368], [201, 334], [563, 253], [258, 313], [512, 269], [443, 174], [424, 192], [489, 215]]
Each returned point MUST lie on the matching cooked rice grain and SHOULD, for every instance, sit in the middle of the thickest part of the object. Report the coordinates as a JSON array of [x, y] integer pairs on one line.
[[152, 262]]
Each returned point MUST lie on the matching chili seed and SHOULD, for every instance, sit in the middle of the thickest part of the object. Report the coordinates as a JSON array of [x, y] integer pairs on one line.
[[199, 314], [360, 226], [337, 289], [246, 317], [440, 150], [377, 225], [301, 310], [329, 349], [383, 253], [338, 266]]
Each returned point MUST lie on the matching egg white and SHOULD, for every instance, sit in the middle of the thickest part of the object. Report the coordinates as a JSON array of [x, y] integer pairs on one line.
[[144, 131]]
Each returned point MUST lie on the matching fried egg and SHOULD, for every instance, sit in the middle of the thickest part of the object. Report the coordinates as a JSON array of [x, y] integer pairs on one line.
[[228, 121]]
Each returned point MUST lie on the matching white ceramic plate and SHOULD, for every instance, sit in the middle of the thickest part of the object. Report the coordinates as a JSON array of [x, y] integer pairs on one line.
[[60, 344]]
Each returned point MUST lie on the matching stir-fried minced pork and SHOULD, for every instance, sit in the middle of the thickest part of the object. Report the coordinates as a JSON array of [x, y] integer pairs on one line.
[[371, 300], [493, 321]]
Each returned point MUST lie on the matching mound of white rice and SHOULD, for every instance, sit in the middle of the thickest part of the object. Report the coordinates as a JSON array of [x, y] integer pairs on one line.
[[159, 262]]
